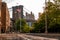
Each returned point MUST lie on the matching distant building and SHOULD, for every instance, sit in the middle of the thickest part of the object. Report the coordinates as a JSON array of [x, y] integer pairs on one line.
[[4, 18], [30, 19], [39, 15]]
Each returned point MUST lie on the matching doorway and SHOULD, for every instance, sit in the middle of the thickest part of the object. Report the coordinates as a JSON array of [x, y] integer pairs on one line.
[[3, 30]]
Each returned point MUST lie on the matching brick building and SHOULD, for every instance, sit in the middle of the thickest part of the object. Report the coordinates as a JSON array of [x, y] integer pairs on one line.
[[4, 17]]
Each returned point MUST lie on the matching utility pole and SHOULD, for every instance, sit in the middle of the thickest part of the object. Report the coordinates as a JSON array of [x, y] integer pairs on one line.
[[20, 24], [45, 18], [46, 10]]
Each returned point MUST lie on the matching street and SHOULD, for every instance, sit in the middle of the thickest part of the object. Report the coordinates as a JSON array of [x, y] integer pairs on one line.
[[15, 36]]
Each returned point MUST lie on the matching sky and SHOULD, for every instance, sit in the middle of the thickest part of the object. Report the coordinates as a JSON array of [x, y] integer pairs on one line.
[[35, 6]]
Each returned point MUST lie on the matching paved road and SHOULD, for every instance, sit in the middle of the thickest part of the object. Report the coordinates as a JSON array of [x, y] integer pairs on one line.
[[30, 37], [22, 37]]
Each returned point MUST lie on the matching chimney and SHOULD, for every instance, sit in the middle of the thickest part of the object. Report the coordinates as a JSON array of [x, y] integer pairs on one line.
[[26, 13], [39, 14], [31, 13]]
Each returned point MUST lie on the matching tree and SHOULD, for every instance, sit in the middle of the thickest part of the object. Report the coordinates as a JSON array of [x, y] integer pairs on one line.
[[39, 25], [19, 24], [26, 29], [22, 26], [53, 19]]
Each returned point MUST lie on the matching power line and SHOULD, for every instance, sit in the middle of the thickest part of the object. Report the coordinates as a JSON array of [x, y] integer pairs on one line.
[[27, 9], [24, 9]]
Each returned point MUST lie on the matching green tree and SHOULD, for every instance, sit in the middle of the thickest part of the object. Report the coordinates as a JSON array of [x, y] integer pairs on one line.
[[26, 29], [20, 23], [39, 26], [53, 19], [22, 26]]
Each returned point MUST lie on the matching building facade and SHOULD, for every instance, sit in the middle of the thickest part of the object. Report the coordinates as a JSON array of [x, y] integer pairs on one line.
[[4, 18], [30, 19]]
